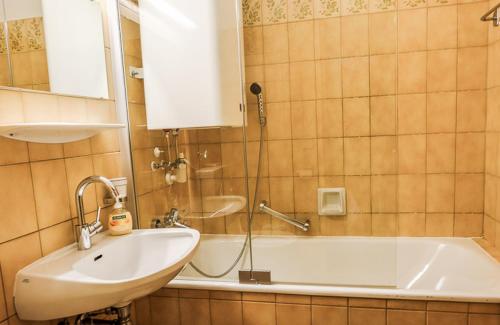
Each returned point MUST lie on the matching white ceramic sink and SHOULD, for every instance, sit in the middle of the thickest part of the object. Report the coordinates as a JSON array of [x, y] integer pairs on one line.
[[115, 271]]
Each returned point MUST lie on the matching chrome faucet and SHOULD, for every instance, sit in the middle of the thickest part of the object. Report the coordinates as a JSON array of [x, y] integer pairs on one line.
[[170, 220], [85, 231]]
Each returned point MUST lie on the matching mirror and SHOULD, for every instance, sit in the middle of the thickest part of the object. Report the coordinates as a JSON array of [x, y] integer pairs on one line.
[[54, 45]]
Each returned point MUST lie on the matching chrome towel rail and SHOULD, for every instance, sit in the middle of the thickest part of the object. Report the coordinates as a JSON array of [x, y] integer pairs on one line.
[[493, 14], [304, 226]]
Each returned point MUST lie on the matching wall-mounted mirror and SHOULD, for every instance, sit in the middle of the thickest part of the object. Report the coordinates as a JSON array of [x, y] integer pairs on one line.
[[33, 55]]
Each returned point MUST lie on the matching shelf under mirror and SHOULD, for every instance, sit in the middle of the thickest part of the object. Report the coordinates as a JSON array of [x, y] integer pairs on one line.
[[57, 132]]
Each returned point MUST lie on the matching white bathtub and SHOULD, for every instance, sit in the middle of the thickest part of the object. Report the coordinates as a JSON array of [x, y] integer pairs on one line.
[[454, 269]]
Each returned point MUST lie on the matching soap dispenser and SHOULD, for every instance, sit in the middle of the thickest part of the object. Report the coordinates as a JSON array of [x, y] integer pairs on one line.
[[120, 219]]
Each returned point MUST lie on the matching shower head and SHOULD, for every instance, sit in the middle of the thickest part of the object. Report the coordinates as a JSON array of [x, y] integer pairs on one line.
[[256, 89]]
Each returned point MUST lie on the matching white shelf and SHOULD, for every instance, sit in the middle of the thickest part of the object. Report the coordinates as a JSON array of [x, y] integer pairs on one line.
[[57, 132]]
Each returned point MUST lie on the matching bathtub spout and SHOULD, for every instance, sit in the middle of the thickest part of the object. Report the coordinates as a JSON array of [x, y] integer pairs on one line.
[[304, 226]]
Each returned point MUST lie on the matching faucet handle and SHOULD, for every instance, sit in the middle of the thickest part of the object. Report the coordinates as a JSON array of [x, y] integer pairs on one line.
[[98, 218], [97, 225]]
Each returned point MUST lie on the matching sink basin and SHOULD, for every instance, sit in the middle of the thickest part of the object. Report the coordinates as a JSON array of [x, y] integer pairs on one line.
[[115, 271]]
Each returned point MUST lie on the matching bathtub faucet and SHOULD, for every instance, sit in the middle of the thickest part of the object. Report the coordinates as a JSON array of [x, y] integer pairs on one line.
[[302, 225], [171, 220]]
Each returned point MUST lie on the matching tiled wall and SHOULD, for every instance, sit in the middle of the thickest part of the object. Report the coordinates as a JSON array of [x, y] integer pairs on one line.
[[492, 167], [38, 181], [28, 55], [385, 99], [175, 307]]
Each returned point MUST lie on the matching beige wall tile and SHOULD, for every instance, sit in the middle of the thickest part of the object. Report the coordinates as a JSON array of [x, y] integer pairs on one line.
[[328, 79], [275, 43], [277, 82], [442, 27], [383, 74], [259, 313], [470, 152], [293, 314], [468, 225], [475, 319], [358, 194], [302, 80], [303, 119], [357, 156], [384, 155], [411, 224], [383, 32], [471, 68], [354, 35], [163, 310], [329, 118], [411, 154], [412, 114], [469, 193], [384, 224], [254, 45], [383, 115], [279, 121], [72, 109], [411, 193], [384, 194], [440, 190], [305, 192], [360, 316], [280, 158], [13, 151], [405, 317], [471, 110], [40, 107], [43, 151], [359, 224], [441, 111], [331, 156], [18, 203], [282, 194], [301, 41], [356, 114], [305, 157], [14, 255], [412, 69], [470, 33], [412, 30], [194, 311], [441, 153], [355, 77], [77, 169], [327, 38], [11, 107], [435, 318], [322, 315], [56, 237], [51, 192], [224, 312], [442, 70]]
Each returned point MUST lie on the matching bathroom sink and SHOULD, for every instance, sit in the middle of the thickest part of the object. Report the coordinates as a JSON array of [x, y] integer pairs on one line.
[[113, 272]]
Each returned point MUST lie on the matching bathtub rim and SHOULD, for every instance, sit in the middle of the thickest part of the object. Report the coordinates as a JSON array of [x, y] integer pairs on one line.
[[337, 291]]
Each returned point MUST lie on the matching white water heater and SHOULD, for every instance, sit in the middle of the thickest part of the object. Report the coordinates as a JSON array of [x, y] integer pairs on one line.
[[192, 60]]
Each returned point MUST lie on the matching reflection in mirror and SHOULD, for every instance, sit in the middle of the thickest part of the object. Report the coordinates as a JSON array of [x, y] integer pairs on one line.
[[54, 45]]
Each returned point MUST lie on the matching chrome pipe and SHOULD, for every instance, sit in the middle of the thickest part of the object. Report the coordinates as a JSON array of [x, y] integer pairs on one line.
[[304, 226]]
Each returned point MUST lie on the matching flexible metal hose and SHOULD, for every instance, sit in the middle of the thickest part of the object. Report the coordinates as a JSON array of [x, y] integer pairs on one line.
[[256, 192]]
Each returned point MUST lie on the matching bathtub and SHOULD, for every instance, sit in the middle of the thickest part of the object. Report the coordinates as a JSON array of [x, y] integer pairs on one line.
[[450, 269]]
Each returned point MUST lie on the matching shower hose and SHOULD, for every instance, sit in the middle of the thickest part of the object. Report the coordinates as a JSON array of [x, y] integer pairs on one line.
[[252, 210]]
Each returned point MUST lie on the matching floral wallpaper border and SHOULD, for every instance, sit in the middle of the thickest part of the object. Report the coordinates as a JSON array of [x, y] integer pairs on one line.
[[267, 12]]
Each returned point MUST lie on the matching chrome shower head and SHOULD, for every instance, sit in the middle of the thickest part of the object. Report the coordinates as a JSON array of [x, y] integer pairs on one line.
[[256, 89]]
